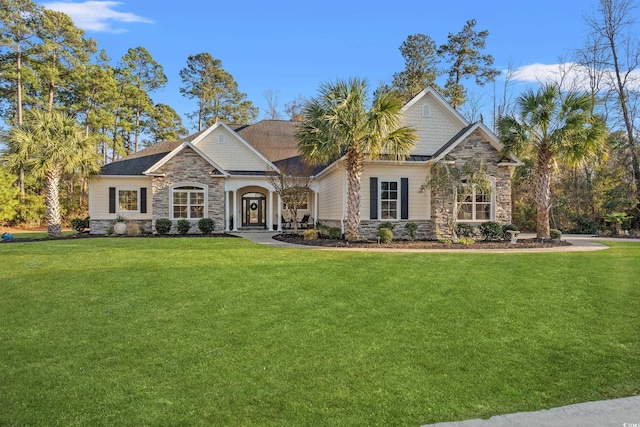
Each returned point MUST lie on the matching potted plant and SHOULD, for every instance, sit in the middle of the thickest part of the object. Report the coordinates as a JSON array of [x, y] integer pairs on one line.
[[120, 226]]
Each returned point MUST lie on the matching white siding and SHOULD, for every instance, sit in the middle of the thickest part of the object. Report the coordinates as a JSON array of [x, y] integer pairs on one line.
[[417, 175], [331, 195], [231, 155], [434, 131], [99, 196]]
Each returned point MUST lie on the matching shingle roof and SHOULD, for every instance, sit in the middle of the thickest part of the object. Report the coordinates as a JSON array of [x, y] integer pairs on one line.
[[275, 139], [137, 163]]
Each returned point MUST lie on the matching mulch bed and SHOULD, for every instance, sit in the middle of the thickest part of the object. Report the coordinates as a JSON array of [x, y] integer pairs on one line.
[[421, 244]]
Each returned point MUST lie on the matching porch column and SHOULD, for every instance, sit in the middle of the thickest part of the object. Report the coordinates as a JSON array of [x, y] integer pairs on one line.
[[279, 212], [235, 210], [315, 208], [226, 211], [270, 211]]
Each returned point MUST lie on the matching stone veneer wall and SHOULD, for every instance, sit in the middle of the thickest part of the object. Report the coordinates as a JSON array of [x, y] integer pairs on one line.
[[475, 146], [188, 166], [100, 226], [369, 229]]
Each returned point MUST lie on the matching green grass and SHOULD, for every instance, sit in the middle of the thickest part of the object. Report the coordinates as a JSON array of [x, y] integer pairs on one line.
[[37, 234], [219, 331]]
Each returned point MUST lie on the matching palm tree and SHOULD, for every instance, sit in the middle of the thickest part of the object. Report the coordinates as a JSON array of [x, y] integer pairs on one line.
[[552, 127], [338, 123], [48, 145]]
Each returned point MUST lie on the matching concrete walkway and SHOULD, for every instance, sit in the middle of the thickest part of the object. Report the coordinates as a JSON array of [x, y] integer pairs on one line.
[[624, 412]]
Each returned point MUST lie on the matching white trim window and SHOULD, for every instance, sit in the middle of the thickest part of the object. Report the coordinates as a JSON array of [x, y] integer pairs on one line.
[[477, 206], [188, 202], [128, 200], [389, 199]]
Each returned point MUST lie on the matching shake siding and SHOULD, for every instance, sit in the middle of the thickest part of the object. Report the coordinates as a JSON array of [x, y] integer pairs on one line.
[[434, 131], [331, 195], [99, 196], [417, 174], [232, 155]]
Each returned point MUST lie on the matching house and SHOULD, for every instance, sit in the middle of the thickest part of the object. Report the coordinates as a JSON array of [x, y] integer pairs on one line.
[[223, 173]]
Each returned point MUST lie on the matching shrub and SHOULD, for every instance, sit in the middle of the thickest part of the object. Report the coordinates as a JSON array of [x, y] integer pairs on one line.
[[584, 226], [491, 230], [80, 224], [466, 241], [411, 228], [387, 225], [310, 234], [133, 229], [335, 233], [206, 225], [445, 241], [109, 231], [163, 225], [183, 226], [323, 230], [385, 235], [555, 234], [464, 229]]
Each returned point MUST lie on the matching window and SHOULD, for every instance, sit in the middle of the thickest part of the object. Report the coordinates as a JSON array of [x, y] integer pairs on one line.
[[128, 200], [475, 207], [426, 110], [221, 139], [389, 196], [188, 202]]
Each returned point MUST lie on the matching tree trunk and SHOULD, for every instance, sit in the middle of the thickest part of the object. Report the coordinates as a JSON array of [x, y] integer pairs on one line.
[[624, 106], [52, 201], [19, 108], [354, 167], [543, 191]]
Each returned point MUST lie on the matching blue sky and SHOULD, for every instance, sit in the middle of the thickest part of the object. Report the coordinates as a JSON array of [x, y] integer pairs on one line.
[[291, 47]]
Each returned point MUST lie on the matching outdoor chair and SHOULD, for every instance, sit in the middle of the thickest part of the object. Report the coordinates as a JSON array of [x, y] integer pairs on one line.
[[304, 222], [286, 223]]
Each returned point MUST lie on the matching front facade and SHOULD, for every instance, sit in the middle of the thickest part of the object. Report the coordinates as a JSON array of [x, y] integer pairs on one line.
[[225, 173]]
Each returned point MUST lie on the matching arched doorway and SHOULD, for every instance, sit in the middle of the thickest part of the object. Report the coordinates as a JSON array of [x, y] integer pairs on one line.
[[254, 210]]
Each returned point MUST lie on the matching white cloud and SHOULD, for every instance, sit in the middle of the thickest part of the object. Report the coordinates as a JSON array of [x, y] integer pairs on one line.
[[96, 15], [571, 75]]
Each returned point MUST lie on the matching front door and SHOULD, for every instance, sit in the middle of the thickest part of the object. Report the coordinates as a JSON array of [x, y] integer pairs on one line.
[[254, 210]]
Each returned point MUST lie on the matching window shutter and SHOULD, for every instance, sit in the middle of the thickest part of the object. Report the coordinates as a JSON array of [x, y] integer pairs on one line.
[[112, 199], [373, 199], [404, 198], [143, 200]]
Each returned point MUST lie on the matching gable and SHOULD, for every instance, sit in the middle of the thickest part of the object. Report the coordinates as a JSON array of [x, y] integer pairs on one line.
[[437, 127], [189, 164], [228, 150]]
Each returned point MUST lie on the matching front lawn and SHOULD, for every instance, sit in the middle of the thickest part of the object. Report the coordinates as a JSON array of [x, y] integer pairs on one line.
[[219, 331]]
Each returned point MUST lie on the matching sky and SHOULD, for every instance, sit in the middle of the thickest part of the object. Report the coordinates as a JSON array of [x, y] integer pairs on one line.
[[292, 47]]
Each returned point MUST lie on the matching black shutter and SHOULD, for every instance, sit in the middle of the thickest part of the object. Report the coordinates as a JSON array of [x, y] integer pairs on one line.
[[143, 200], [404, 198], [112, 199], [373, 199]]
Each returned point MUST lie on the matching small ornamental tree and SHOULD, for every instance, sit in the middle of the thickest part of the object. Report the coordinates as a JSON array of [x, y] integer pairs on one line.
[[454, 183], [292, 184]]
